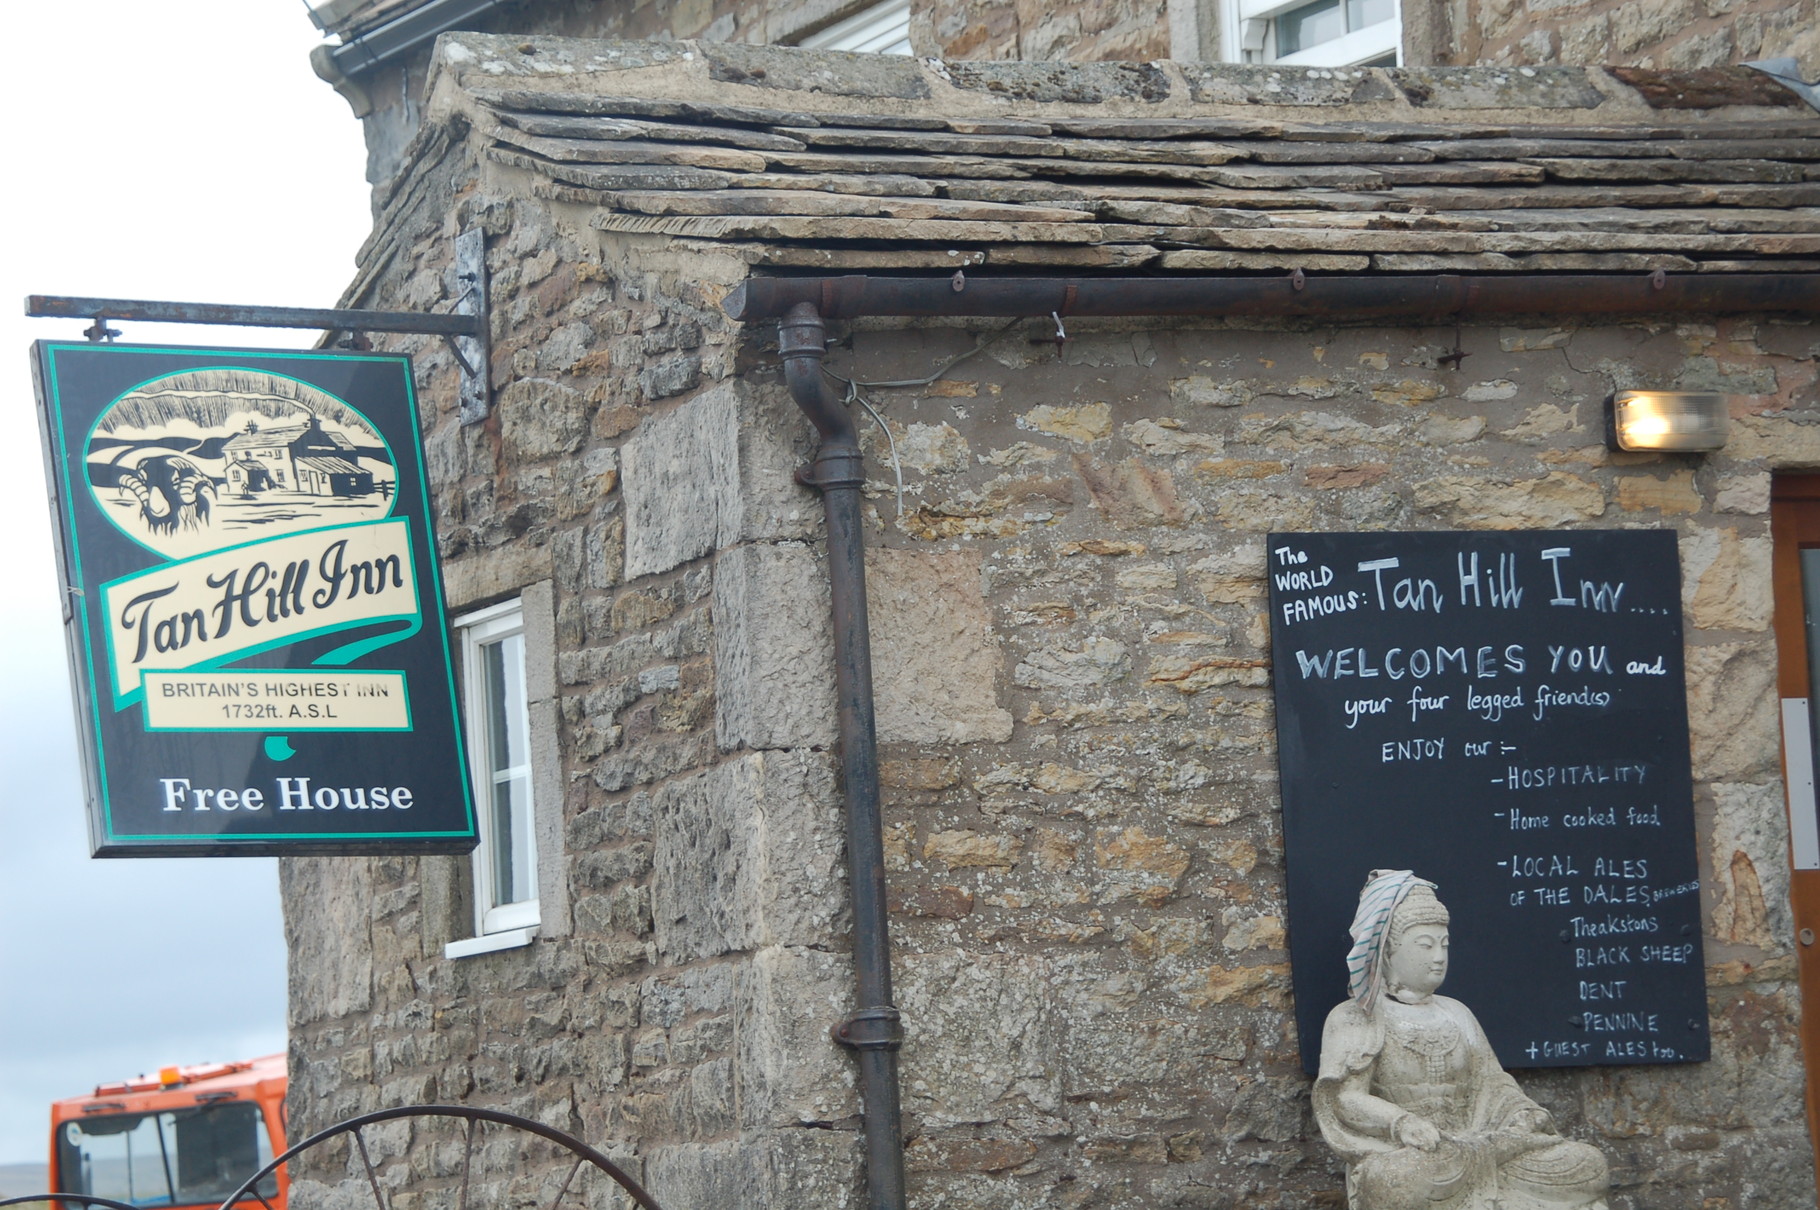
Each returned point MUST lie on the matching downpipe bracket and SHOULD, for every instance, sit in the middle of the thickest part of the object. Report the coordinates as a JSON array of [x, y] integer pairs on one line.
[[877, 1028], [833, 468]]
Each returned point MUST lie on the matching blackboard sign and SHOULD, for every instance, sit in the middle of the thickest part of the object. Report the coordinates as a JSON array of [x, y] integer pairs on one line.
[[1506, 715], [253, 604]]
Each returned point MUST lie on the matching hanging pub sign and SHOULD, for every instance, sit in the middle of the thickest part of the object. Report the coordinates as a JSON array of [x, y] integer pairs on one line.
[[1506, 715], [253, 605]]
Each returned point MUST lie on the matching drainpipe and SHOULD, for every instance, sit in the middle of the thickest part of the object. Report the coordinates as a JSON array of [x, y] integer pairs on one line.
[[872, 1032]]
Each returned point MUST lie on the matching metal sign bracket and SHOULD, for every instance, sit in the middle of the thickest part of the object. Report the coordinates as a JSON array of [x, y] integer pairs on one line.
[[471, 351], [466, 330]]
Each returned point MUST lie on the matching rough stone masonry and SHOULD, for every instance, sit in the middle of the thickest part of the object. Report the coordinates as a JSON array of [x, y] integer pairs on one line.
[[1071, 647]]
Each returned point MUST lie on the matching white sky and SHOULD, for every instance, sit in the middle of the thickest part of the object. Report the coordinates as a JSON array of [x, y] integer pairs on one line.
[[159, 149]]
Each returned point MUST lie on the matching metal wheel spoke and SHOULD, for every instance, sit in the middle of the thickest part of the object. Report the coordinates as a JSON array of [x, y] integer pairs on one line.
[[467, 1163], [473, 1117], [372, 1177], [557, 1201], [68, 1199]]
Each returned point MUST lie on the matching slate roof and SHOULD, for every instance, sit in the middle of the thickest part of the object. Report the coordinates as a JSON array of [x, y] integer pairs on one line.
[[261, 439], [330, 466], [827, 160], [286, 436]]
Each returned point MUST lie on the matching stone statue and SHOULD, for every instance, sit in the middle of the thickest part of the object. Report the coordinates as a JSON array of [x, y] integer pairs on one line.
[[1411, 1095]]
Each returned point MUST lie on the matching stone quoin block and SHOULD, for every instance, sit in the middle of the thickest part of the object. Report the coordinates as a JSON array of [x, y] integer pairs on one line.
[[773, 658], [748, 854], [729, 452], [686, 454], [936, 665], [757, 1169], [789, 1071]]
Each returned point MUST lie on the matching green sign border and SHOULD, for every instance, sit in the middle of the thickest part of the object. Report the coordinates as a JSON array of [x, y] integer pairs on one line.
[[269, 843]]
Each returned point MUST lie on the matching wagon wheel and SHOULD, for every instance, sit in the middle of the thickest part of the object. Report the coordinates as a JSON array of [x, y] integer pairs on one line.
[[78, 1199], [584, 1155]]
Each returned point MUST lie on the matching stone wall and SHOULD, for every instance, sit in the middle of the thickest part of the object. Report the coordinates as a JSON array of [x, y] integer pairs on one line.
[[1081, 30], [1674, 34], [1083, 840], [1091, 942]]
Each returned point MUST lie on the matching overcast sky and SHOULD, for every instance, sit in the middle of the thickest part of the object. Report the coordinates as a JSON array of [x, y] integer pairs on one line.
[[162, 149]]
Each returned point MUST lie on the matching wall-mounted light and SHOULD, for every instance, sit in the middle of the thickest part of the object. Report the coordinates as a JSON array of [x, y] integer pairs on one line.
[[1676, 421]]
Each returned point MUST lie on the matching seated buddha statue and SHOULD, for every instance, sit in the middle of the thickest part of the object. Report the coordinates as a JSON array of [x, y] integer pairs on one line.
[[1409, 1092]]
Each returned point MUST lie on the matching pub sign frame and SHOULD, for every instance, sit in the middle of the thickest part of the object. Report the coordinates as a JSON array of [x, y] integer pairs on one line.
[[258, 642]]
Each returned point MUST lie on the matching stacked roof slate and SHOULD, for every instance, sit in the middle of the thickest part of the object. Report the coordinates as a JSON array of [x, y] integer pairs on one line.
[[835, 161]]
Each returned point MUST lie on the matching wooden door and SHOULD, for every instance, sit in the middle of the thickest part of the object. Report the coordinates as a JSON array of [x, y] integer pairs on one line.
[[1795, 525]]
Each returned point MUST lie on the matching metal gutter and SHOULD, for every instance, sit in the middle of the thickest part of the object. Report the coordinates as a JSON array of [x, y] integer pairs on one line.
[[1353, 296], [871, 1032], [403, 34]]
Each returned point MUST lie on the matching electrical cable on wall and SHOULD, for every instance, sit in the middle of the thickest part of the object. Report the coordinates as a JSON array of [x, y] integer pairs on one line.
[[854, 395]]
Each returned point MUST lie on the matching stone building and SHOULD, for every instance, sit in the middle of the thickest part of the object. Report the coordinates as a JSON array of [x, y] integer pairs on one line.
[[1081, 833], [383, 49]]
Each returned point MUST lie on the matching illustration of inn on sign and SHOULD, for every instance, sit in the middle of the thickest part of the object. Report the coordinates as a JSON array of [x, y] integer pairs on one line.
[[299, 457], [204, 459]]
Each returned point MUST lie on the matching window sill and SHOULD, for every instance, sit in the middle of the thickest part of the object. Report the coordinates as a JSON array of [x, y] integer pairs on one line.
[[507, 940]]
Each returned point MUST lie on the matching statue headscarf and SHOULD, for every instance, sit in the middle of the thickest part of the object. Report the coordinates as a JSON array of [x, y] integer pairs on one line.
[[1385, 891]]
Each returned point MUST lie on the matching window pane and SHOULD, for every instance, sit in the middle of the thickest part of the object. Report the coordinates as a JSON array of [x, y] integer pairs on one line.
[[505, 662], [505, 863], [512, 847], [172, 1158], [1300, 28], [118, 1156], [883, 29], [1810, 596], [1360, 13]]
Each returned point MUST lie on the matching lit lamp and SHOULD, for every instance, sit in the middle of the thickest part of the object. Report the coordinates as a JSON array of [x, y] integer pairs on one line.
[[1676, 421]]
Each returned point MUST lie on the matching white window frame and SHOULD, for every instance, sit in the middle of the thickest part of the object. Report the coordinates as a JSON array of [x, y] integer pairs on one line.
[[496, 926], [882, 29], [1249, 35]]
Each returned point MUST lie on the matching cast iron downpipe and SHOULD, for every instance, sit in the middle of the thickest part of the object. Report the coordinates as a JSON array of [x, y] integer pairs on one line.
[[872, 1031]]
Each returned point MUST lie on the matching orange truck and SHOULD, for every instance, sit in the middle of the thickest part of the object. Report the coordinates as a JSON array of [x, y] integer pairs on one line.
[[185, 1137]]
